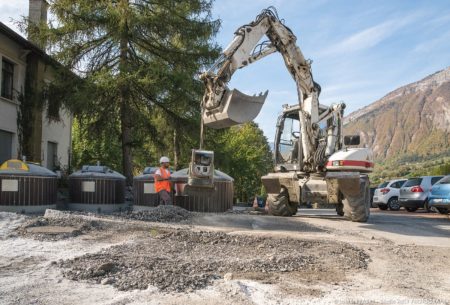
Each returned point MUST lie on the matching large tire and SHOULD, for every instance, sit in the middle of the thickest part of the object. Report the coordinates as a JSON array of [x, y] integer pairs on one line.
[[340, 209], [393, 204], [358, 208], [279, 205]]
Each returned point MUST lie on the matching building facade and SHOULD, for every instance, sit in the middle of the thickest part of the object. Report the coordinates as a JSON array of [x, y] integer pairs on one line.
[[26, 68]]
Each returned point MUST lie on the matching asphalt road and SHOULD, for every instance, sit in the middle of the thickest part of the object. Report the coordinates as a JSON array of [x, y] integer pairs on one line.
[[419, 228]]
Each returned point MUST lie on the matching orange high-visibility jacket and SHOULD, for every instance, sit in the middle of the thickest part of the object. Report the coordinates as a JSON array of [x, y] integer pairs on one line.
[[165, 184]]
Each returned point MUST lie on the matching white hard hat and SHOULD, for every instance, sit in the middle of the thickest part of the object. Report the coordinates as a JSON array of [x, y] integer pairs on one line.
[[164, 160]]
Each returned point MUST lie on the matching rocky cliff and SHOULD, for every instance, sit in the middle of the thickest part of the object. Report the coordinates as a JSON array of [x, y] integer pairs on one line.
[[411, 120]]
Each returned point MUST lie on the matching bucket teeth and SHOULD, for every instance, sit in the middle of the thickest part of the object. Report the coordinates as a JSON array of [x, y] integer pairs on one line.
[[235, 108]]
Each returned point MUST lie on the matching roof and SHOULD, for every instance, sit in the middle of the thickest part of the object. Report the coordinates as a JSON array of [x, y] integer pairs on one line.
[[25, 43]]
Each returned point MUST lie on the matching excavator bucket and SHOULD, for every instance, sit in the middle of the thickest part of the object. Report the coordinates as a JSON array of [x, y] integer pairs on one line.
[[236, 108]]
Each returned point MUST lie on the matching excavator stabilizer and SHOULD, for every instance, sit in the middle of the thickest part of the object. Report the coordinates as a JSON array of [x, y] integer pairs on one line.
[[235, 108]]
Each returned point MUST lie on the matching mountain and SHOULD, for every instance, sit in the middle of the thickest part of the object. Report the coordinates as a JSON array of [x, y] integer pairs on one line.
[[413, 120]]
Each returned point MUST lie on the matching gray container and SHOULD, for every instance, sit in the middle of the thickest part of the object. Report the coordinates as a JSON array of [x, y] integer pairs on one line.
[[27, 187], [144, 190], [216, 200], [97, 189]]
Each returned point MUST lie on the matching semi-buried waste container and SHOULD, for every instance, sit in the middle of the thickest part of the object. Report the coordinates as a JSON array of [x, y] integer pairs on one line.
[[97, 189], [27, 187], [217, 199], [144, 190]]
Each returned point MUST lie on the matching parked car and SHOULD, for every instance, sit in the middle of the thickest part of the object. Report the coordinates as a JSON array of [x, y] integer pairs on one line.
[[387, 193], [414, 193], [439, 197]]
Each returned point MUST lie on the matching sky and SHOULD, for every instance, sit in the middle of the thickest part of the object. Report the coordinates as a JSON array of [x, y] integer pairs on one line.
[[361, 50]]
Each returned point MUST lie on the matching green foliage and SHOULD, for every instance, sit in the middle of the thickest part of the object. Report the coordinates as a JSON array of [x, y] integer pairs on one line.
[[136, 63], [88, 149], [411, 165], [244, 153]]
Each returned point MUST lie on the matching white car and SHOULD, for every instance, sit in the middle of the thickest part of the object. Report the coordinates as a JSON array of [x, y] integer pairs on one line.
[[387, 193]]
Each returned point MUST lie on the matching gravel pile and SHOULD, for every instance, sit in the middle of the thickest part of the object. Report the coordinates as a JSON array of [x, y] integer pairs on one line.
[[184, 261], [161, 213]]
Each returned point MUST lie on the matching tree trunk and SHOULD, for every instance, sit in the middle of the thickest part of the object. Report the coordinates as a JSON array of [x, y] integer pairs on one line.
[[125, 119], [127, 161], [176, 149]]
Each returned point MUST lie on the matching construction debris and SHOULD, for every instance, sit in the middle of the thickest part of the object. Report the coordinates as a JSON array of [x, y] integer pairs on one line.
[[183, 260], [161, 213]]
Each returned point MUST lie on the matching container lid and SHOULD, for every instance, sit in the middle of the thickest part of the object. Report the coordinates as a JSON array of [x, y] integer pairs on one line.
[[182, 175], [150, 170], [148, 173], [149, 177], [18, 167], [96, 171]]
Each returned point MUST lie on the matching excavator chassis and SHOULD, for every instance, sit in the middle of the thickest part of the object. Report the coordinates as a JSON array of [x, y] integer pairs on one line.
[[349, 191]]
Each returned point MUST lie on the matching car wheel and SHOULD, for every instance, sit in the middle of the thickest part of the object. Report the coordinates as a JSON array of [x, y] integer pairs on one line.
[[411, 209], [393, 204], [442, 210], [383, 207], [427, 207]]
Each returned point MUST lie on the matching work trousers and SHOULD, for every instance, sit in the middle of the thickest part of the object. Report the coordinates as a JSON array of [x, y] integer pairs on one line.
[[164, 198]]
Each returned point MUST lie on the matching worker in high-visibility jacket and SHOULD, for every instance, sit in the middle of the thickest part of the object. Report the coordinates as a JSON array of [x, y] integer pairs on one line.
[[162, 182]]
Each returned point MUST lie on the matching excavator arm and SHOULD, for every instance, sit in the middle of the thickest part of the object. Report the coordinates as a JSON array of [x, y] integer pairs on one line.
[[223, 107]]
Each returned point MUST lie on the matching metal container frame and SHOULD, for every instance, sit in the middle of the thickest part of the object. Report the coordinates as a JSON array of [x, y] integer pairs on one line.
[[34, 192], [106, 196]]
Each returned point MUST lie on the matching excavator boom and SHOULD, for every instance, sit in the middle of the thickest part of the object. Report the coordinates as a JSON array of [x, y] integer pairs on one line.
[[312, 163], [223, 107]]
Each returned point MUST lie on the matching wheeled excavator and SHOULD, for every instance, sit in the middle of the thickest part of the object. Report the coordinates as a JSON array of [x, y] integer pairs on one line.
[[313, 161]]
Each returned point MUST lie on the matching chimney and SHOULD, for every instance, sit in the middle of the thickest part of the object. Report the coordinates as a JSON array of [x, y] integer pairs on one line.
[[37, 14]]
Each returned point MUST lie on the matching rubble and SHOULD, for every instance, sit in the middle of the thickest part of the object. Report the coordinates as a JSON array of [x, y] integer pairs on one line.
[[161, 213], [183, 260]]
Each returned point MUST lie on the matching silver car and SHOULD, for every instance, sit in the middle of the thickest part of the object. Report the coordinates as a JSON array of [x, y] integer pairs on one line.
[[414, 193]]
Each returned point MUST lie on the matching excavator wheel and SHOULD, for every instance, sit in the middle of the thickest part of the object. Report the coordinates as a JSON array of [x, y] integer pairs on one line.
[[340, 209], [358, 208], [279, 205]]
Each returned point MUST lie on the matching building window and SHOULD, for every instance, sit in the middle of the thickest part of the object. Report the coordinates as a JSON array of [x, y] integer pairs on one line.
[[5, 145], [52, 156], [7, 79]]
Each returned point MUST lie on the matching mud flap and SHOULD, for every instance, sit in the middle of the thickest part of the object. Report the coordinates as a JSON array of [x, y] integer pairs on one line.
[[236, 108]]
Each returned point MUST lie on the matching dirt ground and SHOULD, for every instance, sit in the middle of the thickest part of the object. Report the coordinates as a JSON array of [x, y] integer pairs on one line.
[[171, 256]]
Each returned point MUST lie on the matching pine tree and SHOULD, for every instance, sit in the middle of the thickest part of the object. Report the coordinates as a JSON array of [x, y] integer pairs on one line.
[[132, 57]]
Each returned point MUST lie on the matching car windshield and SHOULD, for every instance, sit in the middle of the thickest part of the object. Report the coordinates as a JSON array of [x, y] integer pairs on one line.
[[413, 182], [445, 180], [383, 184]]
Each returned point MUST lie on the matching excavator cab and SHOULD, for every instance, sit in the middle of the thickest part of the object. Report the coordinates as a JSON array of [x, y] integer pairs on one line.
[[287, 142], [235, 108]]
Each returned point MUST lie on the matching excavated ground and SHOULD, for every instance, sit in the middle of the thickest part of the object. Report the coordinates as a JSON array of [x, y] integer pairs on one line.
[[180, 260], [168, 255]]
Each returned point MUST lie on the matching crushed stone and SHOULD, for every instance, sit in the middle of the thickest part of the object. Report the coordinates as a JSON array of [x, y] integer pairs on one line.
[[161, 213], [180, 260]]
